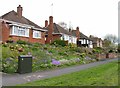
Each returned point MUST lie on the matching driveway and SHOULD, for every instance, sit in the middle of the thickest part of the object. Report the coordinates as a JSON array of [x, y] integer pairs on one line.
[[13, 79]]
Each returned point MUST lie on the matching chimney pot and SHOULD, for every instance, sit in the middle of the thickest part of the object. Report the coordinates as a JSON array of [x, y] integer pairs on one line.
[[70, 29], [46, 23], [19, 11], [51, 19], [77, 33], [77, 28]]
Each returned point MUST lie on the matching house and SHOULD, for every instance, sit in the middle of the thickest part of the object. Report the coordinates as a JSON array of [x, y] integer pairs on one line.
[[97, 42], [16, 27], [82, 40], [55, 32]]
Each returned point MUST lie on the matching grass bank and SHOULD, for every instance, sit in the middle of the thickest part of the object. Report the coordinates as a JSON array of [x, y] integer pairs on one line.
[[103, 75]]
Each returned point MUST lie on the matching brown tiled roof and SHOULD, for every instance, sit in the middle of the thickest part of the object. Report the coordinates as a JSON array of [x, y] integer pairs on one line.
[[82, 36], [58, 30], [74, 32], [12, 16], [95, 39]]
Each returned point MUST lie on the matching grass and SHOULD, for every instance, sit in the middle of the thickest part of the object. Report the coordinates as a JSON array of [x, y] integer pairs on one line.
[[102, 75]]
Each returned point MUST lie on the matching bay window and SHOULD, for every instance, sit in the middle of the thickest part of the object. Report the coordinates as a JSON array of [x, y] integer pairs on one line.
[[19, 31]]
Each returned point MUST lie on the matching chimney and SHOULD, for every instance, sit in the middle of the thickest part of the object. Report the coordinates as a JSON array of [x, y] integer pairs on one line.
[[19, 11], [51, 20], [77, 28], [46, 23], [50, 25], [77, 32], [50, 30], [70, 30]]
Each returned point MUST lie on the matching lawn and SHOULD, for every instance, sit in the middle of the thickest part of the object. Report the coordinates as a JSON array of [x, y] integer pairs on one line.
[[102, 75]]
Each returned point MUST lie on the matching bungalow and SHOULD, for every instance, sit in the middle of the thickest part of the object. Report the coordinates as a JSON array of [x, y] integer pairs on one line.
[[55, 32], [97, 42], [16, 27], [82, 40]]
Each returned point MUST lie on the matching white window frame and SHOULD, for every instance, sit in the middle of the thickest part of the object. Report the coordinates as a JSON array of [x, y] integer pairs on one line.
[[87, 41], [36, 34], [18, 31]]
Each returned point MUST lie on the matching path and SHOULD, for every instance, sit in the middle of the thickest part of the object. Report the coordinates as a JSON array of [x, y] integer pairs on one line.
[[11, 80]]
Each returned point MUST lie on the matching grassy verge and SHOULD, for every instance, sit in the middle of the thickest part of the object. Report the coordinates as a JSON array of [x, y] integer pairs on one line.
[[103, 75]]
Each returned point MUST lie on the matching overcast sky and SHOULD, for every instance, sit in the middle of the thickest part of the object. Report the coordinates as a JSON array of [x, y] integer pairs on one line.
[[94, 17]]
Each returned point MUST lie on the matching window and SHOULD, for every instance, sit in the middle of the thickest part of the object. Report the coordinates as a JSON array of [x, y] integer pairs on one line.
[[36, 34], [19, 31], [87, 41], [70, 38], [74, 40], [82, 41], [90, 42]]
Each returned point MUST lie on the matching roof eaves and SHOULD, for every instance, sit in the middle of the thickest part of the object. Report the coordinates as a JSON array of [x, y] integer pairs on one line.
[[39, 29]]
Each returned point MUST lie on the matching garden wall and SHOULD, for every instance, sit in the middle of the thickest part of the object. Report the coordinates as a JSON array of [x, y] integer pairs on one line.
[[101, 56], [111, 55], [108, 55]]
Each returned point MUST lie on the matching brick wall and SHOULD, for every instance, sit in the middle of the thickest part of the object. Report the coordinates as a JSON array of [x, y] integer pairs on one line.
[[39, 40], [57, 36], [5, 32], [104, 56], [101, 56], [6, 35], [111, 55]]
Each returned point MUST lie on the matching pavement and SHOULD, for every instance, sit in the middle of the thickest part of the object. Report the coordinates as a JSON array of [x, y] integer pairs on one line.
[[14, 79]]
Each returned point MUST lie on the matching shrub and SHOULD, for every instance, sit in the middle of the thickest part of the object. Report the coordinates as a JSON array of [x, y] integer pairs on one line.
[[10, 40], [59, 42], [36, 44], [71, 45], [111, 51], [96, 51], [21, 42], [5, 45], [9, 65], [82, 55]]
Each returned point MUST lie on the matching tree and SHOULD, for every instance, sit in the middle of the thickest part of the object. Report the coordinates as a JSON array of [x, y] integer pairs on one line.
[[107, 43], [112, 38], [63, 24]]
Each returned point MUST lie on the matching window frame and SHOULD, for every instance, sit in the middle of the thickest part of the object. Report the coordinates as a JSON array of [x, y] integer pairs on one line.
[[37, 32], [19, 30]]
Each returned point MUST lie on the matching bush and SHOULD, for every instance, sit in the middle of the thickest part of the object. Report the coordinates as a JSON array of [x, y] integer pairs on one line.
[[111, 51], [21, 42], [71, 45], [82, 55], [97, 50], [59, 42], [10, 40], [9, 65], [36, 44]]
